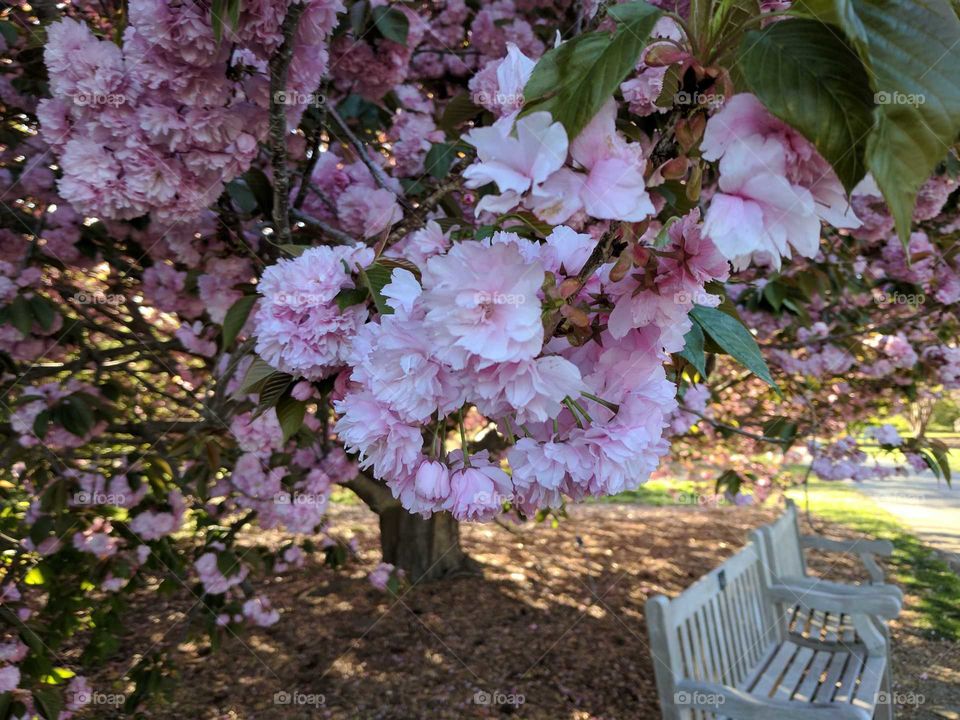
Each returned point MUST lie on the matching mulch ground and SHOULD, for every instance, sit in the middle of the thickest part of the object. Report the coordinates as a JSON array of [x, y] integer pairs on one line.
[[557, 618]]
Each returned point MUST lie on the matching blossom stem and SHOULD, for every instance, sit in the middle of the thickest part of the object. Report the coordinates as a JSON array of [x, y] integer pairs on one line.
[[583, 412], [510, 434], [606, 403], [570, 406], [463, 440]]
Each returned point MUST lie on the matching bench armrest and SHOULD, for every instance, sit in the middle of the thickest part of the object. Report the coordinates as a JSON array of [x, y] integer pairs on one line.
[[837, 588], [884, 548], [726, 701], [878, 603], [866, 549]]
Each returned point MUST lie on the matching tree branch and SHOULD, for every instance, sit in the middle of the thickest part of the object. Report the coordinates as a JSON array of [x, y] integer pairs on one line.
[[279, 66], [376, 495]]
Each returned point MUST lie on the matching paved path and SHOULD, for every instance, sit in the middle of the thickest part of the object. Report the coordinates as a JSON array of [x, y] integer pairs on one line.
[[929, 508]]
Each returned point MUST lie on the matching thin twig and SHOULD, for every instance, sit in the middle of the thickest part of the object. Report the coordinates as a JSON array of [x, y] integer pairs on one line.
[[379, 176]]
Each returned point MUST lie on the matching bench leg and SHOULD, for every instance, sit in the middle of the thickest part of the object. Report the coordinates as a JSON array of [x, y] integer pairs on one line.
[[885, 706]]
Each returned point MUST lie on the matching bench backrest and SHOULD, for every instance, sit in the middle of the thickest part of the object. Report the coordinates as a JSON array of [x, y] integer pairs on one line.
[[784, 551], [714, 631]]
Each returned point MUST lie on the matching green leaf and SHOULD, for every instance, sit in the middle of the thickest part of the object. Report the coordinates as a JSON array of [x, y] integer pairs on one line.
[[807, 76], [290, 413], [258, 371], [9, 32], [391, 23], [374, 278], [735, 340], [781, 427], [693, 351], [574, 80], [942, 454], [75, 415], [349, 297], [236, 317], [931, 460], [21, 315], [439, 159], [391, 263], [216, 19], [729, 480], [40, 424], [49, 701], [358, 17], [731, 15], [274, 387], [262, 190], [228, 563], [912, 52], [774, 293], [459, 110], [43, 311], [242, 196]]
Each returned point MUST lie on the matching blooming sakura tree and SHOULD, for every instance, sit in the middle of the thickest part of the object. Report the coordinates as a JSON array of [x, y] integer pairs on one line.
[[462, 259]]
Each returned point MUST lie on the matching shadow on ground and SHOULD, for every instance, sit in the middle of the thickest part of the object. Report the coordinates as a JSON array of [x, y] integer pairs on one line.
[[557, 619]]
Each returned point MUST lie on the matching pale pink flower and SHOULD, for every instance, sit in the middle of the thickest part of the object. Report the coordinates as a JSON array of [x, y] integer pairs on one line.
[[366, 212], [9, 678], [259, 611], [478, 492], [380, 576], [609, 183], [774, 187], [533, 389], [483, 300], [299, 327], [515, 163], [499, 85]]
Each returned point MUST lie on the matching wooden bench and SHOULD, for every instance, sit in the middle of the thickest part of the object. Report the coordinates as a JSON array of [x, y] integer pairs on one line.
[[781, 548], [721, 650]]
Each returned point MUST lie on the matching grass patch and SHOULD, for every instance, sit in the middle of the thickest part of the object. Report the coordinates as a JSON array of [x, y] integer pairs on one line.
[[658, 493], [914, 565]]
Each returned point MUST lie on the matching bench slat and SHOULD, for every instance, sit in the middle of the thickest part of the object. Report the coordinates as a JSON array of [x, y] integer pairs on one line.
[[811, 680], [848, 682], [828, 687], [751, 678], [775, 669], [792, 677], [870, 682]]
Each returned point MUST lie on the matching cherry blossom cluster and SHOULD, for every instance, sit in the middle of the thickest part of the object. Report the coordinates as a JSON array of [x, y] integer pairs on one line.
[[160, 123]]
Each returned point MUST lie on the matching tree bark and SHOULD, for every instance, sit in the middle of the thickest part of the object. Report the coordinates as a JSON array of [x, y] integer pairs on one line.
[[425, 549]]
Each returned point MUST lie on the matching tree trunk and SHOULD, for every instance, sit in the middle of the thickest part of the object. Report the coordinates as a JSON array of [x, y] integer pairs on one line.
[[425, 549]]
